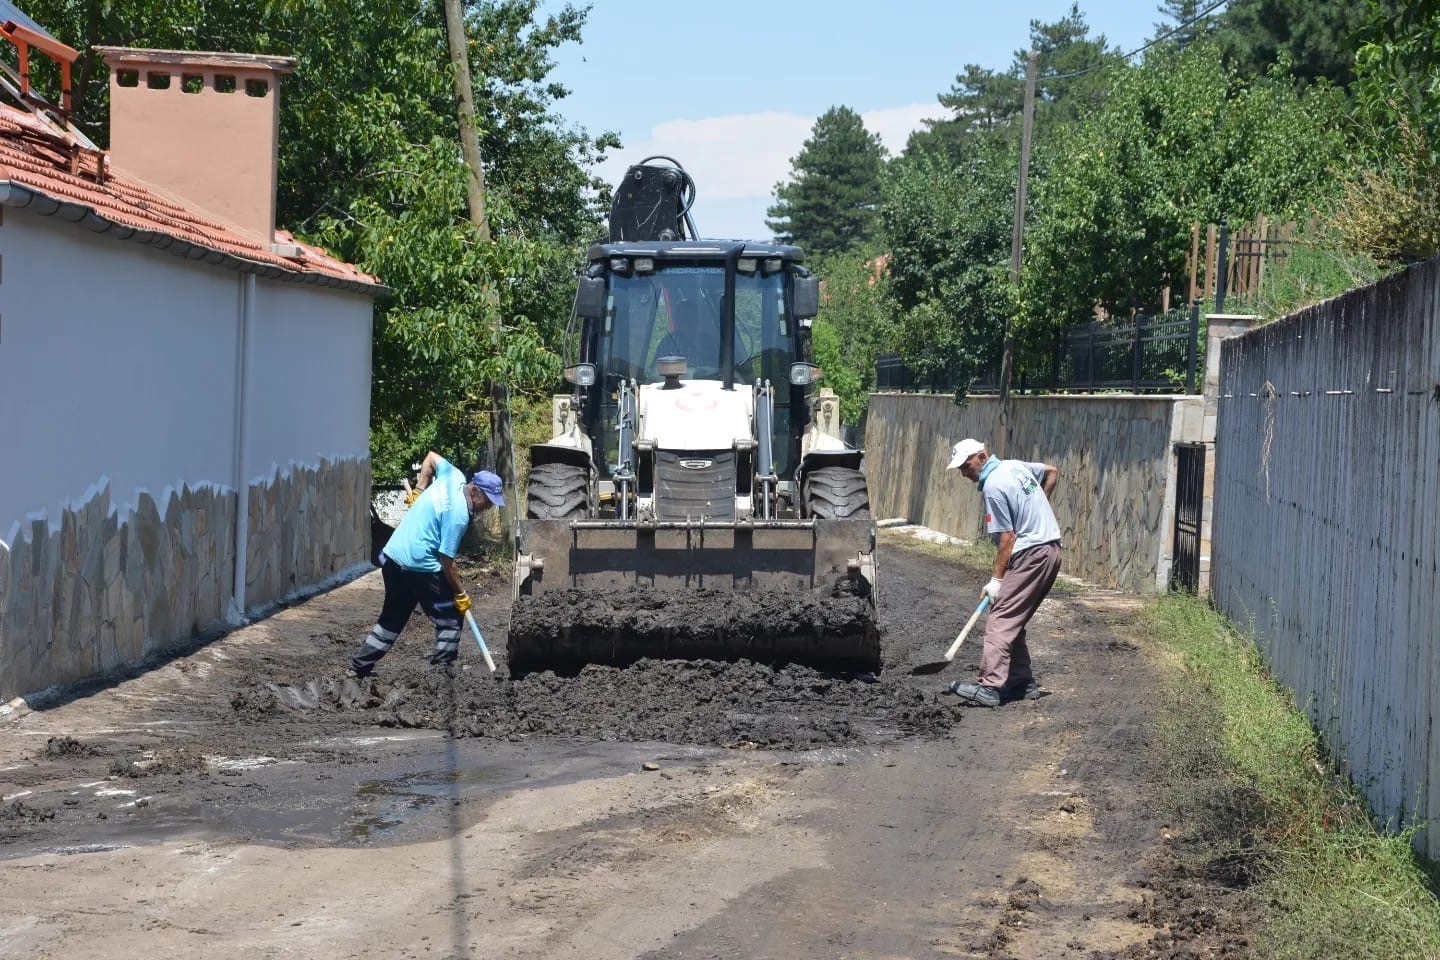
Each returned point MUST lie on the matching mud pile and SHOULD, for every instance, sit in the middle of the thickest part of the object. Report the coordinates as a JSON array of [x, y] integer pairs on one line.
[[565, 629], [698, 701]]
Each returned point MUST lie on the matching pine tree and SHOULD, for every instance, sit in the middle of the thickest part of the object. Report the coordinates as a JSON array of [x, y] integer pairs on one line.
[[1177, 27], [829, 204], [1318, 39], [987, 103]]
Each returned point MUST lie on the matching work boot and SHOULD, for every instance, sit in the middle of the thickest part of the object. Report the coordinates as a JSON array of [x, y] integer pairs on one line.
[[976, 694], [1030, 690], [357, 673]]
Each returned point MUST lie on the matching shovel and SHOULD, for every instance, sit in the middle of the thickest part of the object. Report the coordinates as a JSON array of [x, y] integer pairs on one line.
[[938, 665]]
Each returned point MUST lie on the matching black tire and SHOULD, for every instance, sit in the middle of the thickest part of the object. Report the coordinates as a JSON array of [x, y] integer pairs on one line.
[[836, 493], [558, 491]]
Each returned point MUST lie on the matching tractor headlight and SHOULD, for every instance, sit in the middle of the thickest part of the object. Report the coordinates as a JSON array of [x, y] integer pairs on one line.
[[581, 374], [803, 374]]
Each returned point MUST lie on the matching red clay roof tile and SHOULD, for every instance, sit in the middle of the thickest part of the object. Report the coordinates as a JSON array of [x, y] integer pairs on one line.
[[33, 156]]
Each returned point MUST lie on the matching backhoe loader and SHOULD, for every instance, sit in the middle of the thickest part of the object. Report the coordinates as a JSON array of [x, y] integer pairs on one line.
[[696, 500]]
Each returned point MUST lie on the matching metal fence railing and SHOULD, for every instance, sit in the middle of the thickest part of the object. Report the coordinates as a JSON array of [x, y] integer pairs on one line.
[[893, 375], [1146, 354], [1149, 353]]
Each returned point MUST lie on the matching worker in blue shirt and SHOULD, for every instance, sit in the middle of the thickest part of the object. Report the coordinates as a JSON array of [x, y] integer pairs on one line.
[[418, 562]]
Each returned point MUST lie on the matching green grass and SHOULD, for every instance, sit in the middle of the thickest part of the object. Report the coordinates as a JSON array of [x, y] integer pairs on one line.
[[977, 556], [1247, 771], [1313, 271]]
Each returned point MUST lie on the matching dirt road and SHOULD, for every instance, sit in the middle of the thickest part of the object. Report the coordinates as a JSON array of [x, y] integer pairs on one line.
[[246, 801]]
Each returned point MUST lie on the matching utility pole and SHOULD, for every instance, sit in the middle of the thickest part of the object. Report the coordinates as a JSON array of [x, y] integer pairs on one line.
[[1017, 236], [500, 435], [465, 104]]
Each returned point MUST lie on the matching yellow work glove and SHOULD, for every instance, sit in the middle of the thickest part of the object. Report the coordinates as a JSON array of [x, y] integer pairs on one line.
[[462, 603], [412, 496]]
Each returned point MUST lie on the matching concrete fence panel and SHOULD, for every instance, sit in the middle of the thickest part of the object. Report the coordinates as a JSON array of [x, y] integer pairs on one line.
[[1327, 526]]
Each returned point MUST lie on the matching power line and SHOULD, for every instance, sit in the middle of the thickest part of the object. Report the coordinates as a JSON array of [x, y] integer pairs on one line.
[[1139, 50]]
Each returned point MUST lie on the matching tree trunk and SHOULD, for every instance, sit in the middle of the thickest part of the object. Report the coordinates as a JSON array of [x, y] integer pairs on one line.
[[465, 106]]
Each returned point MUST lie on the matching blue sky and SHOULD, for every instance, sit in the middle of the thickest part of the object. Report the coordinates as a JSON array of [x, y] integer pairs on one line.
[[732, 90]]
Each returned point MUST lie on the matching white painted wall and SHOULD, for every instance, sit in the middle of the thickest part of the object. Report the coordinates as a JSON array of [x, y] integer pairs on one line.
[[115, 361], [309, 377], [120, 361]]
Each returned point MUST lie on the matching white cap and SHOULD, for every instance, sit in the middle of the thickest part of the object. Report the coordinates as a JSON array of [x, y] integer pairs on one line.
[[963, 451]]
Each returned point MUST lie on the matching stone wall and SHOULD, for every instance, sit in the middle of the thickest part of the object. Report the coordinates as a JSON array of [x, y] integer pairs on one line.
[[1116, 498], [100, 591], [307, 525]]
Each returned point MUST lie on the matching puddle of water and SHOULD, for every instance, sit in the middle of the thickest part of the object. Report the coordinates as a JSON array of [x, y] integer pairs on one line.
[[78, 848], [389, 805], [242, 763]]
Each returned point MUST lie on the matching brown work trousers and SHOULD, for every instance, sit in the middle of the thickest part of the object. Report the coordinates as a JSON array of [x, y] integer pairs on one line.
[[1005, 661]]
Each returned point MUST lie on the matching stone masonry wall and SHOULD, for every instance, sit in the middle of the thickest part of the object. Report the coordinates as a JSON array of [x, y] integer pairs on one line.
[[307, 524], [1115, 501], [100, 591]]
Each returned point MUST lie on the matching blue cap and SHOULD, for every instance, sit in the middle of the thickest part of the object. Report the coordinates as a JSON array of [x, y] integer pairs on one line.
[[491, 484]]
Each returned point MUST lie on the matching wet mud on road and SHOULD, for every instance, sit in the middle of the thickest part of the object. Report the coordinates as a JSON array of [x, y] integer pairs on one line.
[[248, 795]]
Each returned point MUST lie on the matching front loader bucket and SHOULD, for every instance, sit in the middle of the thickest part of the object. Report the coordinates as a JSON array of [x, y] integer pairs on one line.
[[782, 591]]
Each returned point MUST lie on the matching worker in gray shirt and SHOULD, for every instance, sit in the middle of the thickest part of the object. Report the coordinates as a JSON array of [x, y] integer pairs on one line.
[[1027, 538]]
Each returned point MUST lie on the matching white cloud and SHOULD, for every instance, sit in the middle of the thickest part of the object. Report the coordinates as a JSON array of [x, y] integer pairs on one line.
[[736, 160], [895, 124]]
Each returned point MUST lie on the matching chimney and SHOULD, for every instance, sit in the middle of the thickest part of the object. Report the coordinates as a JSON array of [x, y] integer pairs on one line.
[[201, 128]]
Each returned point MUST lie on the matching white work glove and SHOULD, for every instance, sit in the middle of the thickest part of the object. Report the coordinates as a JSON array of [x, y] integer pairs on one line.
[[992, 590]]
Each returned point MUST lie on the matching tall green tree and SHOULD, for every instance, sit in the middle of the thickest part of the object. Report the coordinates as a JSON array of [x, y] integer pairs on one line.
[[1180, 139], [370, 167], [1314, 39], [947, 228], [854, 326], [1181, 23], [1391, 209], [829, 203], [986, 103]]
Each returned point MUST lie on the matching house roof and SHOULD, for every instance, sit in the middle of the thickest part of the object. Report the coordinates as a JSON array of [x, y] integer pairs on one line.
[[36, 165], [8, 11]]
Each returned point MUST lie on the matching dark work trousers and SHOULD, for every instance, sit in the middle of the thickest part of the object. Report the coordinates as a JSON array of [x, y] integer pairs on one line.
[[403, 589], [1005, 661]]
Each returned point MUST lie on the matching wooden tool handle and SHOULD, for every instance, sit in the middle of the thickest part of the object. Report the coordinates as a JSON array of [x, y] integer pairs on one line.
[[969, 625], [484, 650]]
